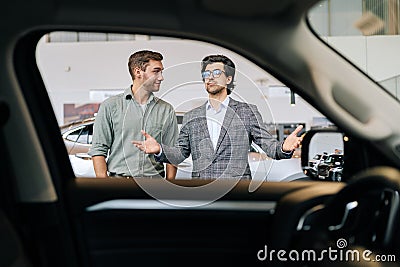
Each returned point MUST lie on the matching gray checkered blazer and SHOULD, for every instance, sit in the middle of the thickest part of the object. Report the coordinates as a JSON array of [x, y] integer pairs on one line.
[[242, 125]]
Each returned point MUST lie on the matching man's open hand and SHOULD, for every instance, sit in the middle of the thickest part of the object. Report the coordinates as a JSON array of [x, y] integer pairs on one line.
[[149, 146], [292, 141]]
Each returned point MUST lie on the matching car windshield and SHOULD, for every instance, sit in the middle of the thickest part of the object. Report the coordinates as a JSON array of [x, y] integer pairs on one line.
[[366, 32]]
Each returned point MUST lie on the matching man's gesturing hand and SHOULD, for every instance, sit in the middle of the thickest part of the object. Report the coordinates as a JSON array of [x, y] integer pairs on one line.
[[292, 141], [149, 146]]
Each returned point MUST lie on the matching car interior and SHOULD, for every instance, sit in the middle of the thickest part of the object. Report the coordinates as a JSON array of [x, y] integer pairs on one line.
[[49, 217]]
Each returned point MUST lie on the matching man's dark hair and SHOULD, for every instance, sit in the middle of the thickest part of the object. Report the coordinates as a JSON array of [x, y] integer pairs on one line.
[[141, 60], [229, 67]]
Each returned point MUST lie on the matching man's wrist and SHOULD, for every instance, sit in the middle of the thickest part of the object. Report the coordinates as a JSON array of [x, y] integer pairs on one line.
[[286, 152], [159, 154]]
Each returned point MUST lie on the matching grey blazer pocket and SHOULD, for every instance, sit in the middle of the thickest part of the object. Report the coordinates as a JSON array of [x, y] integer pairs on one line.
[[239, 171]]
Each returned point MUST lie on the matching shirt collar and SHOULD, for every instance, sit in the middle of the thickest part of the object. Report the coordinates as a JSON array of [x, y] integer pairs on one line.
[[224, 103], [129, 95]]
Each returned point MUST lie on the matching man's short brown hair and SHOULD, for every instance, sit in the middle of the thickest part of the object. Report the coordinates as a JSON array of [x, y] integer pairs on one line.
[[141, 60]]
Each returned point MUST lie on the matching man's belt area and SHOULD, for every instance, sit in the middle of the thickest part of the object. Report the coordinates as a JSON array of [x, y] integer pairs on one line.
[[117, 175]]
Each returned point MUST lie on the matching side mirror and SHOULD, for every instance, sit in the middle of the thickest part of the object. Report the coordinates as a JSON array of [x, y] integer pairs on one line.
[[320, 154]]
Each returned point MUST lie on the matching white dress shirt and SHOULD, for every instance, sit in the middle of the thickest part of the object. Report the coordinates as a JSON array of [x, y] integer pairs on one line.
[[215, 119]]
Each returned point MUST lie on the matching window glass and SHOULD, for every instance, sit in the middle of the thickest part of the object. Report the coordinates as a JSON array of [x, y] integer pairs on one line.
[[84, 136], [366, 32], [90, 133], [74, 135], [81, 70]]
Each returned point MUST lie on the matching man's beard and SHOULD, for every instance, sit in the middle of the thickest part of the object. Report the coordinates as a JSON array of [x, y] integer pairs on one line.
[[215, 91]]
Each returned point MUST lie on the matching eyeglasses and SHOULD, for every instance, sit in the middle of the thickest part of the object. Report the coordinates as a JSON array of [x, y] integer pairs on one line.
[[215, 73]]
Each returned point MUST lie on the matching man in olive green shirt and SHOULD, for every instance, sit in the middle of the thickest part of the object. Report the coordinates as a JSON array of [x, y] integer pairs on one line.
[[122, 117]]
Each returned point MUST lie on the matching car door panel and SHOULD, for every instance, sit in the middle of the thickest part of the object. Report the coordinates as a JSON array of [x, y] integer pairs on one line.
[[120, 224]]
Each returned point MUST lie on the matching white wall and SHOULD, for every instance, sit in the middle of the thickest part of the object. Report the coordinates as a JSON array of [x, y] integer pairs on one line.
[[378, 56], [71, 70]]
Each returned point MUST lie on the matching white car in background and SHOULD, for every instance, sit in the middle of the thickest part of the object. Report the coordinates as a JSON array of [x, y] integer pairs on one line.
[[261, 166], [78, 137]]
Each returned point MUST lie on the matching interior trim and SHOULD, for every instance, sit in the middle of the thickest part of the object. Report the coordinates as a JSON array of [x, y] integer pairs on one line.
[[152, 204]]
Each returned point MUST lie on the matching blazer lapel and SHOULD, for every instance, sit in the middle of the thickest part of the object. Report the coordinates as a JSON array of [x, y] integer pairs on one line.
[[202, 124], [230, 113]]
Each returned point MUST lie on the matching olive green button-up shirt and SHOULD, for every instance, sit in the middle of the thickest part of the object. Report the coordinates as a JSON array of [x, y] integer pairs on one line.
[[119, 121]]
